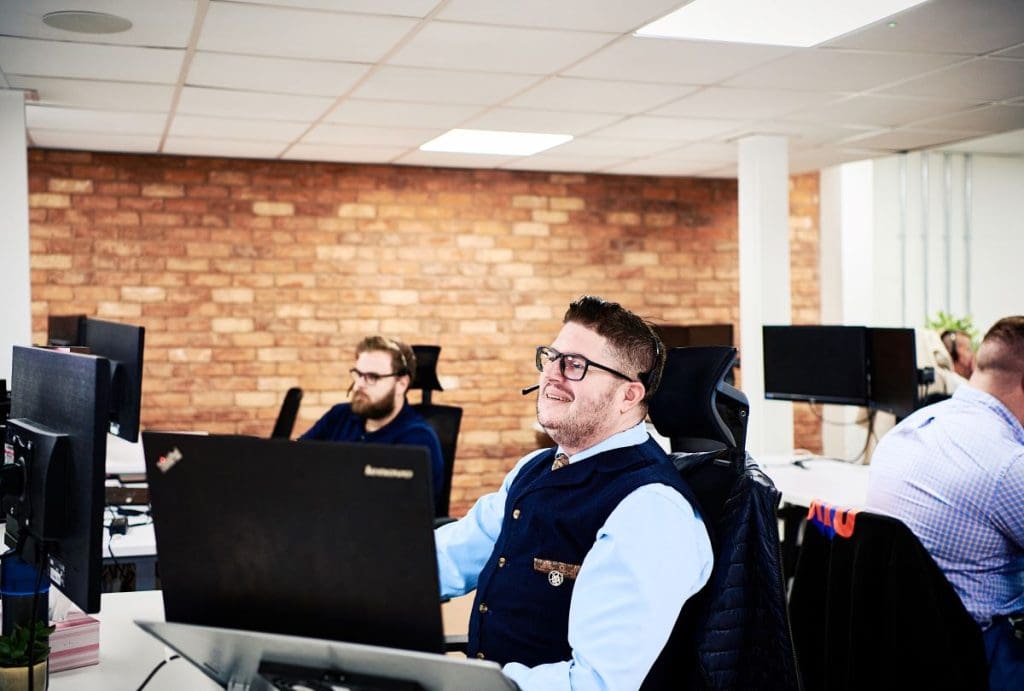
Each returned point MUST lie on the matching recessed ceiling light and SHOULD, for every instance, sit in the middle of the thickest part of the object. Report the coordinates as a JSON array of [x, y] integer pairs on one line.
[[800, 23], [494, 142], [84, 22]]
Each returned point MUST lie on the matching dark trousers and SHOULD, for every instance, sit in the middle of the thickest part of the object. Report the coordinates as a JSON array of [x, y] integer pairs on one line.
[[1005, 657]]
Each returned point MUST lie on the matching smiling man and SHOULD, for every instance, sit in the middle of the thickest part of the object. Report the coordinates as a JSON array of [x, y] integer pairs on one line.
[[379, 412], [583, 558]]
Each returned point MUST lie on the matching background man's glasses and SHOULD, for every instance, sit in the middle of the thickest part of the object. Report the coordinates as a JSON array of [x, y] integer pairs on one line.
[[370, 378], [572, 366]]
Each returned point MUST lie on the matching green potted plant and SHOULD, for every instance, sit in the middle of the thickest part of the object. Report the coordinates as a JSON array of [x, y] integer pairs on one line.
[[15, 657], [944, 321]]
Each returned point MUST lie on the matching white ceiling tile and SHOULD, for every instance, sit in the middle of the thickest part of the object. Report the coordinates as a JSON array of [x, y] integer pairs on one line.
[[984, 119], [938, 27], [87, 94], [249, 104], [362, 135], [155, 23], [279, 75], [526, 120], [598, 96], [1015, 52], [716, 152], [904, 140], [673, 62], [713, 102], [609, 147], [449, 160], [95, 141], [877, 110], [235, 128], [582, 15], [819, 69], [725, 173], [353, 111], [658, 166], [89, 61], [401, 8], [448, 45], [989, 79], [806, 133], [79, 120], [299, 33], [197, 146], [1005, 144], [438, 86], [566, 164], [671, 129], [343, 154]]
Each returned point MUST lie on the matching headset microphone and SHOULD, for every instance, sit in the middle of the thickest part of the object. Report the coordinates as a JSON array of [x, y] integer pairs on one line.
[[531, 389]]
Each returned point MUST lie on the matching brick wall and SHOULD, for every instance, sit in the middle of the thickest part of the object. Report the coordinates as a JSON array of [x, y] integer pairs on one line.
[[804, 234], [253, 276]]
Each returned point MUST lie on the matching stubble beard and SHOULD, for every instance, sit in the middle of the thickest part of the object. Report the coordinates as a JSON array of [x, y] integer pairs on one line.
[[580, 424]]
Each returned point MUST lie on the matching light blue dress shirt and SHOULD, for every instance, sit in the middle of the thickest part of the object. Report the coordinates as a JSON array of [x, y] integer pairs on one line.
[[953, 472], [651, 555]]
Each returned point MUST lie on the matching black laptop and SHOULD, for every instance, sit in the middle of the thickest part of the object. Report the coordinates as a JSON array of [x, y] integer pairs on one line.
[[316, 539]]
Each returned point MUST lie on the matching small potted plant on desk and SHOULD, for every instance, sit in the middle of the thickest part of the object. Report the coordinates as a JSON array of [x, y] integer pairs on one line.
[[14, 658]]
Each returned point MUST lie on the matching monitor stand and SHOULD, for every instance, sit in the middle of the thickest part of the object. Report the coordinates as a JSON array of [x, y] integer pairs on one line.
[[252, 661]]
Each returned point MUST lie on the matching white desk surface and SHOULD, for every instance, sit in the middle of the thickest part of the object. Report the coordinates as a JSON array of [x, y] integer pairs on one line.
[[128, 654], [836, 482], [139, 541], [124, 456]]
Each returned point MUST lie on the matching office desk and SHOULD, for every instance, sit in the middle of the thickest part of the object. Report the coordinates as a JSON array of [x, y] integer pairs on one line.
[[128, 654], [137, 547], [836, 482]]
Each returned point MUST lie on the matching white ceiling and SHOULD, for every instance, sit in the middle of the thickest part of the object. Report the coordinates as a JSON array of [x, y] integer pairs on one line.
[[371, 80]]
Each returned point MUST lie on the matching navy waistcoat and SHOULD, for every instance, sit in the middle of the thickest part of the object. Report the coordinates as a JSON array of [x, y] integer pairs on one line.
[[521, 610]]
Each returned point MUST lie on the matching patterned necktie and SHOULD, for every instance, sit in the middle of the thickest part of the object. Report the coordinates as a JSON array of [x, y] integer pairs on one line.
[[561, 460]]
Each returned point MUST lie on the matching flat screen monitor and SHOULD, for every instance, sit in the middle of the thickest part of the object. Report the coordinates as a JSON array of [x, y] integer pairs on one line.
[[123, 345], [893, 368], [55, 451], [674, 336], [317, 539], [823, 364]]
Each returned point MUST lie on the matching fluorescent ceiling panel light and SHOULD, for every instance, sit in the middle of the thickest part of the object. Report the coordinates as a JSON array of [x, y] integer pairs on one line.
[[800, 23], [494, 142]]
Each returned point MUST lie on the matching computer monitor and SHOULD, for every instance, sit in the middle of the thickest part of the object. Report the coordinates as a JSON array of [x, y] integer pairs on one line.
[[317, 539], [823, 364], [53, 471], [892, 355], [123, 345]]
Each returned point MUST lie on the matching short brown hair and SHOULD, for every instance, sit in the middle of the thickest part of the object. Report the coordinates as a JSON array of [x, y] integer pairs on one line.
[[403, 360], [635, 341], [1003, 346]]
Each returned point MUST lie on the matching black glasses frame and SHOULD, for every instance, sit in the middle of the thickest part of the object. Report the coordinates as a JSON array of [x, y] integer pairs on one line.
[[372, 378], [546, 354]]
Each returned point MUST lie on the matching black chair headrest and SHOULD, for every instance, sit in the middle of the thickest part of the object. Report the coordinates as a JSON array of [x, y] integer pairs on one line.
[[694, 404], [426, 368]]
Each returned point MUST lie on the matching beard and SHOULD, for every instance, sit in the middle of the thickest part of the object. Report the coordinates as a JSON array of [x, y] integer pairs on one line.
[[576, 426], [372, 409]]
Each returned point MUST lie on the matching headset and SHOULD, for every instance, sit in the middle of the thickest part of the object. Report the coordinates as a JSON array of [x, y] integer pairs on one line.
[[949, 340]]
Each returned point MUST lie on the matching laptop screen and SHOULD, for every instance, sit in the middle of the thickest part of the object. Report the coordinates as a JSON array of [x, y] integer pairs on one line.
[[317, 539]]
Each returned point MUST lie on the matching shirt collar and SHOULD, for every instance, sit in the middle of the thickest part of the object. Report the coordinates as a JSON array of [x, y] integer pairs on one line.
[[631, 437], [970, 394]]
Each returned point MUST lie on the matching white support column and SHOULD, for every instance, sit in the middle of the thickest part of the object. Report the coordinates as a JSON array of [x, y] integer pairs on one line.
[[764, 281], [15, 286]]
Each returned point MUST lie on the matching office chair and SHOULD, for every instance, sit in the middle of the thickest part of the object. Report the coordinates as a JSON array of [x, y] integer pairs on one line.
[[445, 419], [872, 610], [734, 634], [286, 416]]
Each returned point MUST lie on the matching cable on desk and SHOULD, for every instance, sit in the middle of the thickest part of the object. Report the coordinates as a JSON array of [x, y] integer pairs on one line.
[[155, 670]]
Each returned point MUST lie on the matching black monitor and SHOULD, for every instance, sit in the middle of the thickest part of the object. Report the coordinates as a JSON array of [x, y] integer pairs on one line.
[[317, 539], [674, 336], [893, 368], [53, 471], [123, 345], [822, 364]]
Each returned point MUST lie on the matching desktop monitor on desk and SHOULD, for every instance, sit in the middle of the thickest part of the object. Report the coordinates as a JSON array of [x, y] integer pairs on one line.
[[316, 539], [892, 355], [52, 481], [820, 364]]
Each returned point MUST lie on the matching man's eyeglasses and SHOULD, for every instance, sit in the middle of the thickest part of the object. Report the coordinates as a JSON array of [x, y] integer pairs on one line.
[[572, 365], [370, 378]]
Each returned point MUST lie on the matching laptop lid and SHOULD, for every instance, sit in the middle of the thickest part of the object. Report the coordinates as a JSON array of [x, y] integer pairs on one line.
[[317, 539]]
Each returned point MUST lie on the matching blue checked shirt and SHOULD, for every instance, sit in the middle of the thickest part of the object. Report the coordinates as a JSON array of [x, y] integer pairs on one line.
[[633, 575], [954, 473]]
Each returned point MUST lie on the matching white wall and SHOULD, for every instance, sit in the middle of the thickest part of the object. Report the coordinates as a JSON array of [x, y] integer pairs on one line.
[[15, 288]]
